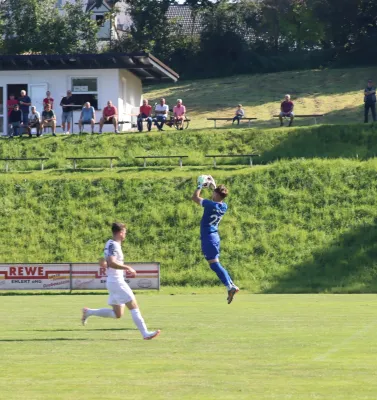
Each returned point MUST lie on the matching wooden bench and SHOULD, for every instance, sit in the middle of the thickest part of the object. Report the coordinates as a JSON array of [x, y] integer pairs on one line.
[[111, 158], [145, 158], [214, 156], [315, 116], [41, 159], [108, 123], [230, 119]]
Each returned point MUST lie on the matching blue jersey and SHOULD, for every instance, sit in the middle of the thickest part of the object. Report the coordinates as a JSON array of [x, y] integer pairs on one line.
[[213, 212]]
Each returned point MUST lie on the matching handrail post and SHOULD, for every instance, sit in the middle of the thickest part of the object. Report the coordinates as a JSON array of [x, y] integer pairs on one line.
[[145, 162], [214, 162], [180, 162], [41, 165], [111, 163], [6, 166], [251, 161]]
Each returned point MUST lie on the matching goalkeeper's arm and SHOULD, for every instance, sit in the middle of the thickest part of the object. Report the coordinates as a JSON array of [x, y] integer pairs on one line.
[[196, 196]]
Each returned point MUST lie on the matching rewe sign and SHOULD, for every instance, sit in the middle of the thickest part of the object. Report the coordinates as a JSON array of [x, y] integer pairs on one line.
[[71, 276]]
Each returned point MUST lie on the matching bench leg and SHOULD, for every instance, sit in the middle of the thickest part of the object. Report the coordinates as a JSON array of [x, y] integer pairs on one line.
[[74, 164], [145, 162], [6, 167], [42, 166], [251, 161], [214, 162], [180, 162], [315, 121], [214, 122], [111, 163], [249, 123]]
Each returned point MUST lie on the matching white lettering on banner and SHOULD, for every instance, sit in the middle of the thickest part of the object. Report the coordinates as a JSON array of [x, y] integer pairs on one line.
[[84, 276]]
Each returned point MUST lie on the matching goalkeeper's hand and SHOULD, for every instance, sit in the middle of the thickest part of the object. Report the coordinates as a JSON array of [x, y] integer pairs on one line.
[[201, 181]]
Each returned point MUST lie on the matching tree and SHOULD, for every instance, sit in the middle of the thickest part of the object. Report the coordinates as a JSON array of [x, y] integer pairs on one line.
[[33, 26]]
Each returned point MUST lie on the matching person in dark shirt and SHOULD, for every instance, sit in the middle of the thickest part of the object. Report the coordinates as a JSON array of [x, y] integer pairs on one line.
[[370, 101], [48, 119], [25, 103], [67, 115], [286, 110], [15, 120]]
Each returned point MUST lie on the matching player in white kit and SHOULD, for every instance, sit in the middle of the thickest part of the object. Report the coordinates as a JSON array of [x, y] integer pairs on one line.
[[120, 293]]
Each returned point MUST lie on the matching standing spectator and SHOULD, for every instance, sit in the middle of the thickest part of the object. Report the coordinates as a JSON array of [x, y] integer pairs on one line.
[[286, 110], [15, 120], [240, 113], [179, 114], [67, 103], [109, 116], [34, 121], [370, 101], [48, 100], [11, 103], [145, 113], [25, 103], [87, 116], [161, 111], [49, 119]]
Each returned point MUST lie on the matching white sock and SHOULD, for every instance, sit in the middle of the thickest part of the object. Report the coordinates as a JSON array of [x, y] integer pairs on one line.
[[139, 321], [101, 312]]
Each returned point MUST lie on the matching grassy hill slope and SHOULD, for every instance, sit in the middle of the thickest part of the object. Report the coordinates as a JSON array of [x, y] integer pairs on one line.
[[304, 225], [320, 141], [337, 92]]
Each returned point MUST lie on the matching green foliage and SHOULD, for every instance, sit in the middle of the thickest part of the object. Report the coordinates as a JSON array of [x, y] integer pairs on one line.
[[32, 26]]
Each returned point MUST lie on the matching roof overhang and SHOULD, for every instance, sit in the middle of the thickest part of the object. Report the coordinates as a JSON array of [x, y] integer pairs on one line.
[[144, 65]]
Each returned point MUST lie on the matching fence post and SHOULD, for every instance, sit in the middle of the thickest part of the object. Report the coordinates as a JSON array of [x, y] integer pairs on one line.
[[70, 279]]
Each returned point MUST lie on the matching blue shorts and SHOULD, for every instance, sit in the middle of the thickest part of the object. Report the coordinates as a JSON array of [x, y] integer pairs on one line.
[[211, 246], [67, 116]]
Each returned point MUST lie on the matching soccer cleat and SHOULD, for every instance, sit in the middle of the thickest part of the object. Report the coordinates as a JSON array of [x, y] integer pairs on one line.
[[152, 335], [231, 293], [84, 317]]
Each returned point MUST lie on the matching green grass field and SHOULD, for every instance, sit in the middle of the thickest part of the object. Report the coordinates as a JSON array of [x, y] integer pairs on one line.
[[261, 347], [336, 92]]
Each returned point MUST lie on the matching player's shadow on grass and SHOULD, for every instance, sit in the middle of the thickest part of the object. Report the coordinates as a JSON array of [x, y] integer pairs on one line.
[[348, 264], [76, 330], [59, 340]]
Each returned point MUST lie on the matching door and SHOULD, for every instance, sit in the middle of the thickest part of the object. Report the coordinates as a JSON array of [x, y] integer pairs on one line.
[[37, 92]]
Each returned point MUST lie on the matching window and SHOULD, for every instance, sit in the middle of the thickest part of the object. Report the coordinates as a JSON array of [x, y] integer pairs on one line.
[[85, 89], [100, 19]]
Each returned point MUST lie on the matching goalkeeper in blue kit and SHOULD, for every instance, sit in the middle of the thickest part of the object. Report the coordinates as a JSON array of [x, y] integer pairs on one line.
[[214, 210]]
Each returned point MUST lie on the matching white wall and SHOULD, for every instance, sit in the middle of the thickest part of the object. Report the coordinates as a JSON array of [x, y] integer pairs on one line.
[[130, 95], [109, 82]]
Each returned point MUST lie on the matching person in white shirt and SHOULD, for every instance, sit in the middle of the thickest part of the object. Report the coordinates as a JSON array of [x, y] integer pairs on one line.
[[120, 293], [34, 121], [161, 110]]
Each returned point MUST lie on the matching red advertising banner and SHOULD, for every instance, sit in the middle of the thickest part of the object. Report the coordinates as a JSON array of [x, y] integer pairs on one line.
[[71, 276]]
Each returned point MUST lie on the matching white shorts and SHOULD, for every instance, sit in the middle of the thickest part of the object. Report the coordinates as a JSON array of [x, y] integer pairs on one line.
[[119, 293]]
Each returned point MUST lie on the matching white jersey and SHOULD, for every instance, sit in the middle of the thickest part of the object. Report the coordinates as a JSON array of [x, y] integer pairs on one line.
[[113, 248]]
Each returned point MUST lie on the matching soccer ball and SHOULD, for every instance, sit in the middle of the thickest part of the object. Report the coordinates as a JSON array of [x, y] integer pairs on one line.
[[207, 182]]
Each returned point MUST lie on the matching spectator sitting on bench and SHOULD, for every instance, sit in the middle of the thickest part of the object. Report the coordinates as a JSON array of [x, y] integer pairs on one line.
[[286, 110], [48, 119], [145, 113], [240, 113], [15, 120], [179, 114], [109, 116], [34, 121], [88, 116], [161, 111]]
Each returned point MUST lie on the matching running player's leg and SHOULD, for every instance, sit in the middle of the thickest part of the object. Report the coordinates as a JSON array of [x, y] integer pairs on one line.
[[139, 320]]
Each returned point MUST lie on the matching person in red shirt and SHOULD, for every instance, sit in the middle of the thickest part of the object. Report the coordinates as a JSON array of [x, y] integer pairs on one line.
[[109, 116], [11, 103], [286, 110], [145, 114], [48, 100]]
